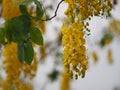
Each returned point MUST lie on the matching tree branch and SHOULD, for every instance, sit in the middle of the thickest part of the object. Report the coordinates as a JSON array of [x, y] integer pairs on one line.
[[55, 12]]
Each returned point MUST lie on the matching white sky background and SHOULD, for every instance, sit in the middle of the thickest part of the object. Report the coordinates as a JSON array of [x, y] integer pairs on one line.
[[101, 76]]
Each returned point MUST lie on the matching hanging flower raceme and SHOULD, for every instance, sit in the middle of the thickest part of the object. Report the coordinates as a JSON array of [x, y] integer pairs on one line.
[[14, 69], [75, 60], [95, 56], [114, 27], [73, 41], [87, 8], [109, 56]]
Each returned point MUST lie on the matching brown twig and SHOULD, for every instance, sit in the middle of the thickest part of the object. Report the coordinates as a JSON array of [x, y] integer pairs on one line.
[[55, 12]]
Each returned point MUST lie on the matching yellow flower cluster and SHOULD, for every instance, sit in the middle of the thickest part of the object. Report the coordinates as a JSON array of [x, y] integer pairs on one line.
[[42, 52], [87, 8], [75, 60], [95, 56], [10, 10], [107, 41], [109, 56], [78, 11], [14, 68], [115, 27], [65, 83], [25, 86]]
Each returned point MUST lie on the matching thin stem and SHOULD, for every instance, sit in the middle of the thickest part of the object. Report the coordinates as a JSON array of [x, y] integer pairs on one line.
[[55, 12]]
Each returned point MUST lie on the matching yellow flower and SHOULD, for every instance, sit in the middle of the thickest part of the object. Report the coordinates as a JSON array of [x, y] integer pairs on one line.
[[107, 41], [42, 52], [10, 10], [95, 56], [109, 56], [114, 27]]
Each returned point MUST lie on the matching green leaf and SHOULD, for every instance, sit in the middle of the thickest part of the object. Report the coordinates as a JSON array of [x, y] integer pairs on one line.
[[1, 36], [25, 2], [1, 1], [39, 13], [17, 28], [107, 36], [39, 10], [29, 52], [53, 75], [37, 3], [20, 52], [8, 31], [26, 23], [26, 26], [36, 36], [23, 10]]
